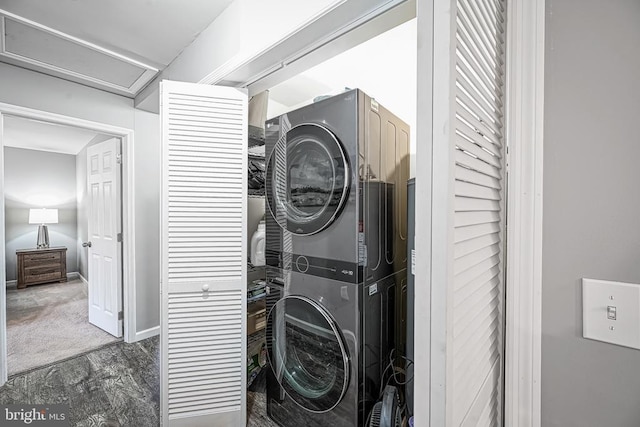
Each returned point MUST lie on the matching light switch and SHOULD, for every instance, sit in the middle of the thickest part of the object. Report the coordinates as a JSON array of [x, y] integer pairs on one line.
[[611, 312]]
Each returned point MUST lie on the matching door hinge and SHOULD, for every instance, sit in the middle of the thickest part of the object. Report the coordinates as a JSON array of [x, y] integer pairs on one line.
[[120, 315], [119, 159], [119, 237]]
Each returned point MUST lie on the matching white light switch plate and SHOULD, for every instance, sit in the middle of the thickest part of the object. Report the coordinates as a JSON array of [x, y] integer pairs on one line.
[[602, 300]]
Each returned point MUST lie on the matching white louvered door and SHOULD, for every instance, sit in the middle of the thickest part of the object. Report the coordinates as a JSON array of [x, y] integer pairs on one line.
[[468, 213], [203, 312]]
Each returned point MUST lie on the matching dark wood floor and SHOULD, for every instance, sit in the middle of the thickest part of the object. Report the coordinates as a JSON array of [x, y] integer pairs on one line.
[[117, 385], [257, 404]]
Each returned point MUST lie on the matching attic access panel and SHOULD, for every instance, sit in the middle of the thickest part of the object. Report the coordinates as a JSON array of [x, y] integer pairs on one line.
[[34, 46]]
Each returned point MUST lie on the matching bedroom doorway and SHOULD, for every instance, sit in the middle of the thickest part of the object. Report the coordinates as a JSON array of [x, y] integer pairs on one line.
[[57, 170], [71, 300]]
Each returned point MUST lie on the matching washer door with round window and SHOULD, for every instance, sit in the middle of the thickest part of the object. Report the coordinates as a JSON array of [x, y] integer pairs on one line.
[[307, 353], [307, 179]]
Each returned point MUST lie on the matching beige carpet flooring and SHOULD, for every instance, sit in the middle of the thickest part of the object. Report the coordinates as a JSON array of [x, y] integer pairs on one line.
[[49, 323]]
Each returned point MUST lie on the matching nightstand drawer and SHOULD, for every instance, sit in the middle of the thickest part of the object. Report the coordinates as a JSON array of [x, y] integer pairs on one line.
[[42, 278], [48, 256], [42, 269]]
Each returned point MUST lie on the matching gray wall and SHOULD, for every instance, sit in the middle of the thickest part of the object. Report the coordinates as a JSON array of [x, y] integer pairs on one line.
[[591, 205], [147, 199], [36, 179], [35, 90]]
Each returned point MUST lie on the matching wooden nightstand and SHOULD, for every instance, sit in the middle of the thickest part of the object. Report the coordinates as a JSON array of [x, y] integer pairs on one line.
[[41, 266]]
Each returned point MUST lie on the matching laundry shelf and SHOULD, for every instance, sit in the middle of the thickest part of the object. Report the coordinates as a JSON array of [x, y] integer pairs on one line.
[[256, 355], [255, 156]]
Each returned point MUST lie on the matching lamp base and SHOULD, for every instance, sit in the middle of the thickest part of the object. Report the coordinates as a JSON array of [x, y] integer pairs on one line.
[[43, 237]]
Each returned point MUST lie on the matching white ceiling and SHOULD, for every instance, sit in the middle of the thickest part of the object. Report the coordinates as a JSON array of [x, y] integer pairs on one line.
[[35, 135], [114, 45], [151, 31]]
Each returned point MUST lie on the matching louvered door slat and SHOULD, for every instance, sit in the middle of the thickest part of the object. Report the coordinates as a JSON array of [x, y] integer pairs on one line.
[[468, 246], [203, 341], [493, 40], [463, 292], [471, 231], [471, 57], [471, 325], [475, 49], [489, 19], [474, 258], [478, 151], [486, 355], [474, 217], [468, 175], [471, 67], [498, 9], [466, 189], [490, 117], [468, 275], [489, 133], [478, 345], [469, 295], [477, 165], [474, 86], [468, 204]]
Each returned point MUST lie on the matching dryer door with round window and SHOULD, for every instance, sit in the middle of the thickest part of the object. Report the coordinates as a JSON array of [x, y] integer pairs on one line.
[[307, 179], [307, 353]]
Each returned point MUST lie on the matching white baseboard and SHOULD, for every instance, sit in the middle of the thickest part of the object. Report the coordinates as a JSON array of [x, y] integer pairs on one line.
[[12, 284], [75, 275], [81, 277], [147, 333]]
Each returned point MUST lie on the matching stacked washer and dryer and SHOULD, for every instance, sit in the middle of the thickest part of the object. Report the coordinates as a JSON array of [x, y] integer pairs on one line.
[[336, 258]]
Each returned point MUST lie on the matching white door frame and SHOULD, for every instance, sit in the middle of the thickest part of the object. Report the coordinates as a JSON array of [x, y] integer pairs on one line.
[[524, 134], [128, 213]]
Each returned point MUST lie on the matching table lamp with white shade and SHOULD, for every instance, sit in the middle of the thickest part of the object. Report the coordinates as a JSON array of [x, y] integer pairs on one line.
[[43, 216]]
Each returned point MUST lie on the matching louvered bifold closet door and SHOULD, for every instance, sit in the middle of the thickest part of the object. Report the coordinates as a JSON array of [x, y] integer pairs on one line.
[[474, 212], [204, 181], [478, 287]]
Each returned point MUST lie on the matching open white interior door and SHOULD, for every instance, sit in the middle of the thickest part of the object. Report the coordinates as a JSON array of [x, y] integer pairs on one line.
[[467, 259], [203, 265], [104, 249]]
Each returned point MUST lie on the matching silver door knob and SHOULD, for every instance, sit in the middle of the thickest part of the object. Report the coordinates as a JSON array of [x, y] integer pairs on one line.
[[86, 244]]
